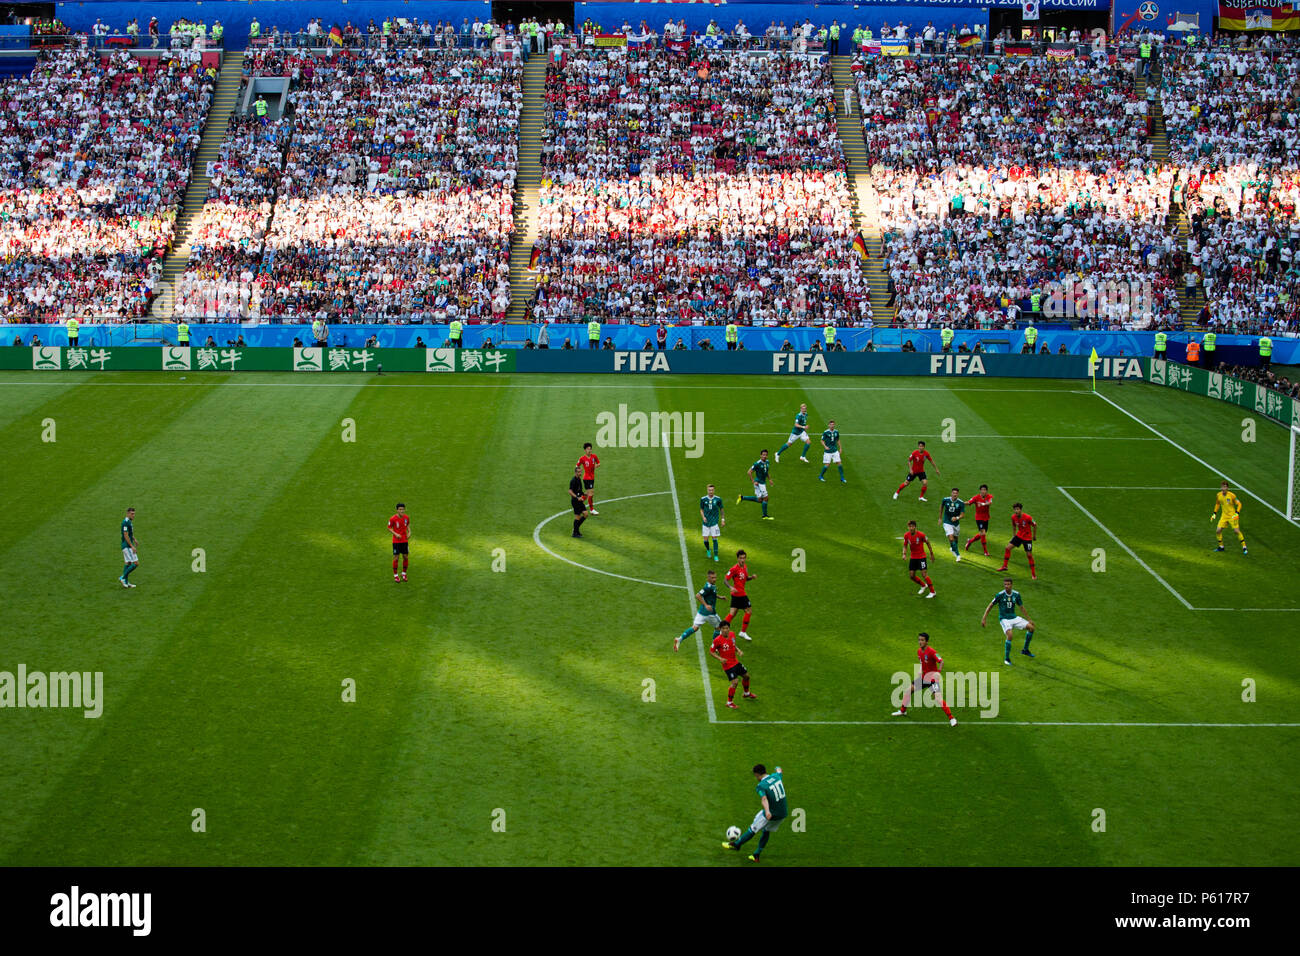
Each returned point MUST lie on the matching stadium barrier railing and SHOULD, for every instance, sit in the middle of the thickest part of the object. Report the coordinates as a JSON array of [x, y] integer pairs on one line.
[[244, 358], [1232, 349]]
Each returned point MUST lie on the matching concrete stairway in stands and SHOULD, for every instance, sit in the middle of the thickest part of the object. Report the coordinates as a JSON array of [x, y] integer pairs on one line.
[[866, 212], [522, 281], [214, 134], [1156, 111], [1189, 306]]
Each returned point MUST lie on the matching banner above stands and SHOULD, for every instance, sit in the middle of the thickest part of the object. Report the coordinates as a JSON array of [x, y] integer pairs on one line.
[[1174, 18], [1239, 15], [999, 4]]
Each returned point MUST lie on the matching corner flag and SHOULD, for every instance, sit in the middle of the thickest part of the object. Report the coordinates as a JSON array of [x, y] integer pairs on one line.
[[1092, 368]]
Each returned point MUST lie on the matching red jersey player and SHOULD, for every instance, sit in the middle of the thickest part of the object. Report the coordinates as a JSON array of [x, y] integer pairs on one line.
[[725, 650], [737, 576], [400, 525], [931, 665], [981, 503], [915, 544], [1026, 533], [916, 469], [589, 463]]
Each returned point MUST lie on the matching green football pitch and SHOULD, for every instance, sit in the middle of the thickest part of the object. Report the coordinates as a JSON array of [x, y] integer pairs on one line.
[[518, 700]]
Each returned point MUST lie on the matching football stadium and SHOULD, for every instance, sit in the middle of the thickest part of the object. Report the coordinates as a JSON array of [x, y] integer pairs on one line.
[[735, 435]]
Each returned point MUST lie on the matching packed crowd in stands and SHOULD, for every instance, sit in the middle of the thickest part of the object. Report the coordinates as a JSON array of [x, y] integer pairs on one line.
[[226, 244], [1245, 246], [996, 180], [682, 185], [679, 185], [1232, 107], [966, 246], [1233, 118], [97, 152], [1018, 111], [396, 194]]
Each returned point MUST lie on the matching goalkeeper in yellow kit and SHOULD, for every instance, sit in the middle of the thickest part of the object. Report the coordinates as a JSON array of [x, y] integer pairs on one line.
[[1229, 516]]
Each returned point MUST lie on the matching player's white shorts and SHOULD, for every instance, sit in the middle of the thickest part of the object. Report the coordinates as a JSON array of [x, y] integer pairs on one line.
[[1010, 624], [830, 457], [951, 530], [761, 823], [712, 531], [128, 556], [799, 436], [760, 491], [708, 619]]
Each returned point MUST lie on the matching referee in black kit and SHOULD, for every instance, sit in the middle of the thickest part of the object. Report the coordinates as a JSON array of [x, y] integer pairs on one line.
[[576, 491]]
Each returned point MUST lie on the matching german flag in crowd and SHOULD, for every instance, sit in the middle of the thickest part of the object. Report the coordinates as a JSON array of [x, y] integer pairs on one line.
[[1239, 15], [532, 259], [860, 246], [336, 36], [967, 42]]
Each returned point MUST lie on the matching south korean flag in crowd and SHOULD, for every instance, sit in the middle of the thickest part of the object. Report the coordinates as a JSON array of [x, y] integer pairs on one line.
[[1028, 9]]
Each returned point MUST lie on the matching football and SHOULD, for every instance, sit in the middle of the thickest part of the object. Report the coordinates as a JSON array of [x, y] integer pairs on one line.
[[733, 834]]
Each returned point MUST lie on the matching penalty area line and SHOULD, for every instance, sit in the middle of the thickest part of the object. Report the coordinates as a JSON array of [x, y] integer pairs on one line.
[[1199, 460], [964, 437], [1136, 488], [997, 723], [686, 570], [1168, 587], [1246, 610]]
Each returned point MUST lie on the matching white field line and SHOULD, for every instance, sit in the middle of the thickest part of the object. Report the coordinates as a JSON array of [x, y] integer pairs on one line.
[[1168, 587], [963, 437], [1202, 461], [1061, 488], [995, 723], [686, 570], [537, 539], [1138, 488], [1244, 610]]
